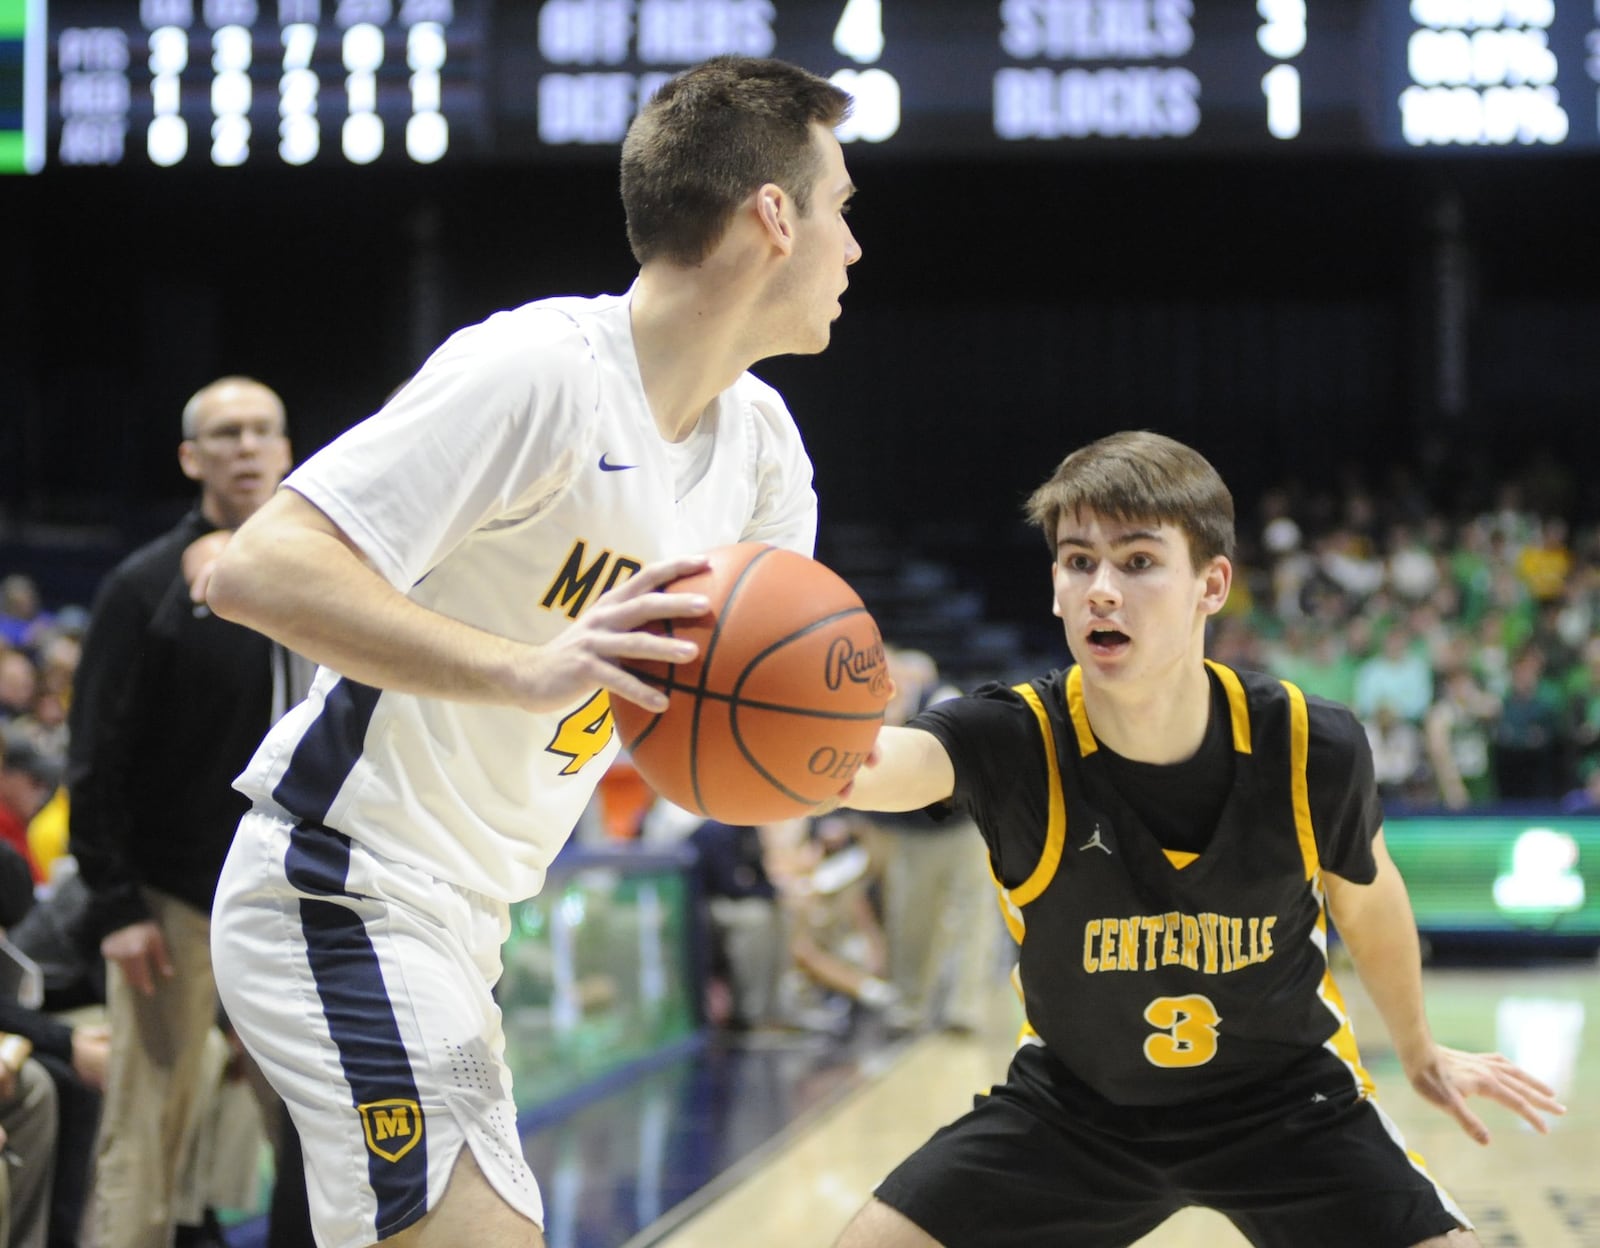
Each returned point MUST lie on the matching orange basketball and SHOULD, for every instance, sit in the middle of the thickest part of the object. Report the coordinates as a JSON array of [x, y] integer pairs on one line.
[[783, 702]]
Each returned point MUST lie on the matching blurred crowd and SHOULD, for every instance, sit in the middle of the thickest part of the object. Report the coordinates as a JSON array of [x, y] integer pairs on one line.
[[1468, 647], [39, 652]]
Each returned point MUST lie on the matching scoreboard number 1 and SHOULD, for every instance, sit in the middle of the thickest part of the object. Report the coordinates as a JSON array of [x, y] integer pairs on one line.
[[1282, 35]]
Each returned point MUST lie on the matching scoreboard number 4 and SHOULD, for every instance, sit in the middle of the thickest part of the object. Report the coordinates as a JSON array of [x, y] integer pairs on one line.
[[859, 36]]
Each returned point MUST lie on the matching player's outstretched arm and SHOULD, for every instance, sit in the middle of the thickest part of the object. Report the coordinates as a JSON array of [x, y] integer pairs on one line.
[[907, 770], [290, 572], [1377, 926]]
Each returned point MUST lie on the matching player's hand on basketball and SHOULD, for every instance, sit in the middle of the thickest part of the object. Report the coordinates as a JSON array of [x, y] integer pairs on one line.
[[592, 651], [141, 951], [842, 797], [1449, 1076]]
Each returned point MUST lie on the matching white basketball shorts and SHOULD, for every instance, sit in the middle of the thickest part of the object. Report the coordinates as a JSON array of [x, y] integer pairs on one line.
[[362, 987]]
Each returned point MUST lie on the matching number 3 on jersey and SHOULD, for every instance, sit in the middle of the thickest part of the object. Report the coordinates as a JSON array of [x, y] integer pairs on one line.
[[584, 733], [1186, 1031]]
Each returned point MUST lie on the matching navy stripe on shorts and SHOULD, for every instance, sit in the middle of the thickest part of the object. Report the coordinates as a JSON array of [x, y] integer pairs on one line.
[[361, 1020]]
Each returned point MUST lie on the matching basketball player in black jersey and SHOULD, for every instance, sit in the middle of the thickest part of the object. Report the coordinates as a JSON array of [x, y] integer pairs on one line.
[[1170, 838]]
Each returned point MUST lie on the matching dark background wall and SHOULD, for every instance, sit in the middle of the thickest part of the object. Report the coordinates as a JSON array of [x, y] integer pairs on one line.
[[1304, 319]]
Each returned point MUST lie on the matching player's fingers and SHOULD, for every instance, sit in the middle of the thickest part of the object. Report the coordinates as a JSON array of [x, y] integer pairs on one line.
[[1526, 1103], [1536, 1089], [663, 606], [1541, 1098], [650, 646], [1524, 1109], [1456, 1106], [654, 575], [622, 684], [832, 804], [624, 615]]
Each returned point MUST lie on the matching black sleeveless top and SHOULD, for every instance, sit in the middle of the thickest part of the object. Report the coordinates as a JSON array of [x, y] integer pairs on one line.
[[1171, 919]]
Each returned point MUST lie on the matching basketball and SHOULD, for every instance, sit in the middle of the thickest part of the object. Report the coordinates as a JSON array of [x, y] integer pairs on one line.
[[783, 702]]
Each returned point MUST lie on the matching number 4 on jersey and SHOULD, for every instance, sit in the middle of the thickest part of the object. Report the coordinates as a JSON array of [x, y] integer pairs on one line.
[[584, 733]]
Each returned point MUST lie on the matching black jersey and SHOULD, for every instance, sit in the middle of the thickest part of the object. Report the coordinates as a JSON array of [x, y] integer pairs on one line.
[[1160, 975]]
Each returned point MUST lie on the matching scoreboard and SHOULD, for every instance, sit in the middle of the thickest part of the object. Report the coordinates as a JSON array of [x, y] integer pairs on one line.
[[298, 83]]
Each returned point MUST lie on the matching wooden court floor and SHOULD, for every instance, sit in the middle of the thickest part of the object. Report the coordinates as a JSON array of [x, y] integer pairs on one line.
[[1524, 1190]]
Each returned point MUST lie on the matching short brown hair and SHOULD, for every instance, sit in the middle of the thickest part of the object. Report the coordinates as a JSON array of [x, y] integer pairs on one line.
[[710, 137], [1139, 476]]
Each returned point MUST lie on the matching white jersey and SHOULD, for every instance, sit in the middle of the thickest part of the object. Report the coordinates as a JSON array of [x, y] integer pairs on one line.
[[511, 482]]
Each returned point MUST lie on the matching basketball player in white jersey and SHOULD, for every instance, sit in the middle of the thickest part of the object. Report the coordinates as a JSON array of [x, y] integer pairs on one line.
[[471, 566]]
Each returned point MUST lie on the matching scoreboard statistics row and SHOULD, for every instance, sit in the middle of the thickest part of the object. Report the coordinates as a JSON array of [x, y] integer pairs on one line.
[[296, 83]]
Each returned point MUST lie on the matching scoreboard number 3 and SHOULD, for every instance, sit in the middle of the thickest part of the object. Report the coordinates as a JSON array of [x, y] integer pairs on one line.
[[1283, 30]]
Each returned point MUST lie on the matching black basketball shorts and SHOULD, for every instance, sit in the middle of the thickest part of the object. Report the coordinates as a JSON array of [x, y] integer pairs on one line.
[[1303, 1161]]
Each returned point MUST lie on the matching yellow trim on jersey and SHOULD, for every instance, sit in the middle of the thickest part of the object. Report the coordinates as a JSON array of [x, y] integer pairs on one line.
[[1025, 1034], [1299, 748], [1008, 911], [1238, 705], [1343, 1041], [1087, 745], [1343, 1046], [1180, 858], [1056, 834]]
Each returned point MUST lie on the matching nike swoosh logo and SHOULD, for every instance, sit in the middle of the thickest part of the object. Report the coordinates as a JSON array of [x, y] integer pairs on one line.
[[606, 466]]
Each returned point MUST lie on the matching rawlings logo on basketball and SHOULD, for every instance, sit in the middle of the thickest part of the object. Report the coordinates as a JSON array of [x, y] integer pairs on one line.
[[393, 1128], [860, 667]]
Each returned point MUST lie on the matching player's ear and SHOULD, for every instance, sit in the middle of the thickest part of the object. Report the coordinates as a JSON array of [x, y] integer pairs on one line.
[[189, 460], [775, 211], [1055, 598], [1218, 580]]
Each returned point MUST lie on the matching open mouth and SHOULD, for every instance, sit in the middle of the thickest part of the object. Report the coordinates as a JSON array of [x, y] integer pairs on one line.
[[1106, 641]]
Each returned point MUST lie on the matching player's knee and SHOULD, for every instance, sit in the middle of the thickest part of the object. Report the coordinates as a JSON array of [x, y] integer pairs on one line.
[[879, 1226], [470, 1211]]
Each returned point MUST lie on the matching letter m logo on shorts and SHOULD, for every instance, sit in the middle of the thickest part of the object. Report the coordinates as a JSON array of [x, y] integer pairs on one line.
[[393, 1128]]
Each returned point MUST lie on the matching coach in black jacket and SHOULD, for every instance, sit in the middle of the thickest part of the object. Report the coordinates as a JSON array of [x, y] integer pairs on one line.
[[170, 703]]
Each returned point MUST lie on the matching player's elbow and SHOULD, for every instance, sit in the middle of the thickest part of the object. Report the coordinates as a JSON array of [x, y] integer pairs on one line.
[[236, 587]]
